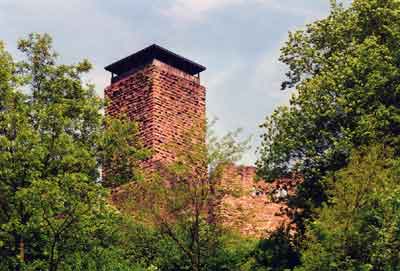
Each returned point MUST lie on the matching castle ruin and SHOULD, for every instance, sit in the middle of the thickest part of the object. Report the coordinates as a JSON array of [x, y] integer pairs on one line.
[[162, 92]]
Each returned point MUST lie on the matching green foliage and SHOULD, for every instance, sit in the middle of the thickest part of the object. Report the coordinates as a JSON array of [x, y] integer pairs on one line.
[[180, 202], [359, 228], [153, 248], [275, 253], [120, 152], [54, 212], [346, 71], [234, 254]]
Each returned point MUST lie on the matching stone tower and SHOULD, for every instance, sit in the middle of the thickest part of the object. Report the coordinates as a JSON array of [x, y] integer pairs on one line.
[[162, 92]]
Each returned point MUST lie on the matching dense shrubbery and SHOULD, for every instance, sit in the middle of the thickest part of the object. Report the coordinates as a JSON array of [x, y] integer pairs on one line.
[[358, 229]]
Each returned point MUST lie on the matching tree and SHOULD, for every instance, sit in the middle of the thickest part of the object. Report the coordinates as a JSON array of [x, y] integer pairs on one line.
[[346, 72], [179, 199], [358, 229], [54, 211]]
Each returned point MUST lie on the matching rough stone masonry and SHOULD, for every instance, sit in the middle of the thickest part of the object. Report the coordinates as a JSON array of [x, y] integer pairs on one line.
[[162, 92]]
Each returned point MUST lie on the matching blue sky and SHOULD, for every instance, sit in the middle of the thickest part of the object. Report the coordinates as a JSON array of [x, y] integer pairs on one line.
[[237, 40]]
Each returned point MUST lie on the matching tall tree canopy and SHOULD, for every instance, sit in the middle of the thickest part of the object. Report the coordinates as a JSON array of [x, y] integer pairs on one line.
[[54, 211], [346, 71]]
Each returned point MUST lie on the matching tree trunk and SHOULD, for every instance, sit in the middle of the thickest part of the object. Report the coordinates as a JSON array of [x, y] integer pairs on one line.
[[195, 263], [19, 250], [22, 249], [52, 262]]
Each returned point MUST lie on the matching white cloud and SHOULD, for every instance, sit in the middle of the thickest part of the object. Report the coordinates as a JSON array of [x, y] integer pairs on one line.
[[196, 9]]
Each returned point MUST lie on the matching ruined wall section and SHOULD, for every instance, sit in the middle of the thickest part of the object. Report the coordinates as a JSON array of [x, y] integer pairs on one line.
[[253, 207]]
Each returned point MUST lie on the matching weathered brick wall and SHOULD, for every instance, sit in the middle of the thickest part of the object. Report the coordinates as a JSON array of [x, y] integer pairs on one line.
[[179, 110], [251, 208], [167, 103], [133, 97]]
